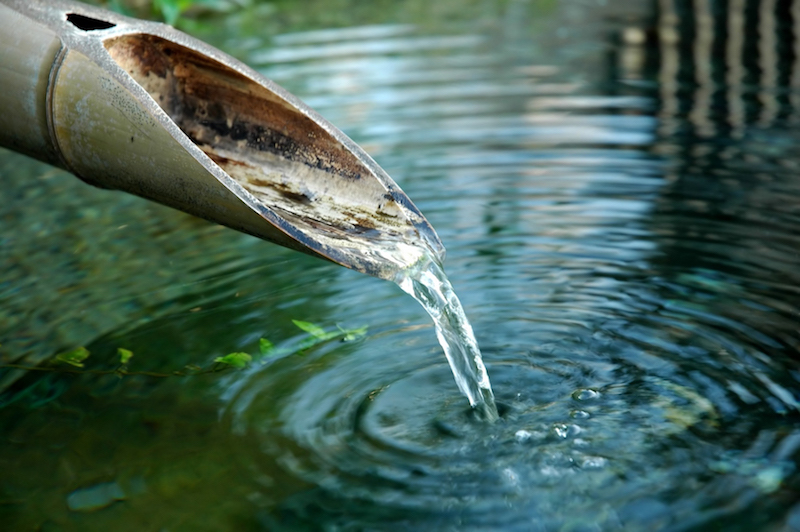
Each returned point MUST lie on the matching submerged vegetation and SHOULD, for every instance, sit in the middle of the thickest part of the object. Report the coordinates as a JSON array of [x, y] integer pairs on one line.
[[75, 361]]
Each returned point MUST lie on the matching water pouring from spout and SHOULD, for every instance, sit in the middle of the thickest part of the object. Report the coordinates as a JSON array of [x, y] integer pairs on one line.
[[143, 108], [429, 285]]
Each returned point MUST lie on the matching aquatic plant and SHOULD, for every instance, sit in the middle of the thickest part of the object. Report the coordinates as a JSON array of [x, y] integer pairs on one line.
[[37, 391]]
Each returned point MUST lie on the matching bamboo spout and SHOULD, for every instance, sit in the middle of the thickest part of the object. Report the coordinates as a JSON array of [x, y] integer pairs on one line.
[[140, 107]]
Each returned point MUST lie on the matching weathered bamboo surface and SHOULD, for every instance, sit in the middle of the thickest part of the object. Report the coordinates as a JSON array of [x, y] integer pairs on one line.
[[141, 107]]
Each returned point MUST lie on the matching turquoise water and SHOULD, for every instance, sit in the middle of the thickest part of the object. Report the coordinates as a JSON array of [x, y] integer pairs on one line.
[[616, 185]]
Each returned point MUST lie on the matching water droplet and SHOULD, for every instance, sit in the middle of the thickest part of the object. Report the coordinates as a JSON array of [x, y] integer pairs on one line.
[[585, 394], [563, 430], [579, 414]]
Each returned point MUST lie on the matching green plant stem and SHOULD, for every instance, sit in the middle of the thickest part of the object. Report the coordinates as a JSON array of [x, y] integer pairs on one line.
[[215, 369]]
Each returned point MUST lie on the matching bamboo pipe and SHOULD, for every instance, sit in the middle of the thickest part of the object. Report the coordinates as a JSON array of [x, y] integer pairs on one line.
[[141, 107]]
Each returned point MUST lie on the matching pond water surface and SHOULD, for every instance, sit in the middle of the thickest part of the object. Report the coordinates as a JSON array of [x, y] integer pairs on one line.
[[617, 187]]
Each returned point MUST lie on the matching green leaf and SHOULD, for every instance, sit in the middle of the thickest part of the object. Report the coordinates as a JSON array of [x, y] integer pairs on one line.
[[314, 330], [308, 343], [353, 334], [124, 355], [237, 360], [265, 347], [74, 357]]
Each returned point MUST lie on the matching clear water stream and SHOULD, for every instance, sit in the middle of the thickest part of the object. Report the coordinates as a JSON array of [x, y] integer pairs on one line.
[[428, 284]]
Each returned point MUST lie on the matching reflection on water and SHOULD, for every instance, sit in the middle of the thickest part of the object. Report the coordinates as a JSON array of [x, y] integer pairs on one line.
[[616, 186]]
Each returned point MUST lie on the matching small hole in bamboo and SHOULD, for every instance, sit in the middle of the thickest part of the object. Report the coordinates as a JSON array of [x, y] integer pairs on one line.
[[88, 23]]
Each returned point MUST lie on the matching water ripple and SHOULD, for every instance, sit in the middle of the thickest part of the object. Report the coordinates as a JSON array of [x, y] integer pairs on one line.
[[638, 334], [623, 237]]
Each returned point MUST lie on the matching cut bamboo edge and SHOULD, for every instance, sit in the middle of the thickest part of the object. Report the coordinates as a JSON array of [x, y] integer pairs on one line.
[[143, 108]]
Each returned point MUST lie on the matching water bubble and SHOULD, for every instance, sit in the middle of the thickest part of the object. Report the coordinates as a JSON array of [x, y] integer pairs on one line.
[[563, 430], [585, 394], [579, 414]]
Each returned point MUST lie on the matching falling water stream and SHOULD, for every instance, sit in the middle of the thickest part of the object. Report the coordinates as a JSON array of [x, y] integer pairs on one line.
[[429, 285]]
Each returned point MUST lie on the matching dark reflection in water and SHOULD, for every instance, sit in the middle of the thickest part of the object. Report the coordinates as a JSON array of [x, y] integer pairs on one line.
[[616, 186]]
